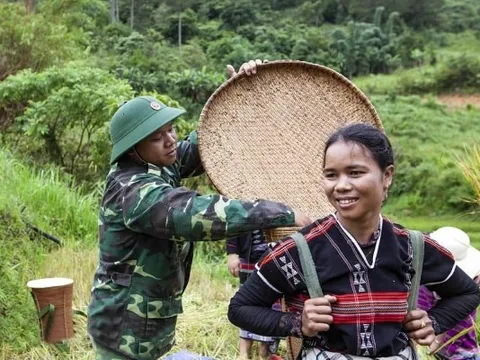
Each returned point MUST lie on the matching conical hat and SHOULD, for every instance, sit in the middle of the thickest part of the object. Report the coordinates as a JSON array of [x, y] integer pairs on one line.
[[263, 136]]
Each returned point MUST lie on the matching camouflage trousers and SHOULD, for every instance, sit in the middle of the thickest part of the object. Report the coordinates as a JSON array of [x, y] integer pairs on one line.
[[102, 353]]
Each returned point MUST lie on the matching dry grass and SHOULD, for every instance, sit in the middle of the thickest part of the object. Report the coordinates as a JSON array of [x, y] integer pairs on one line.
[[203, 328]]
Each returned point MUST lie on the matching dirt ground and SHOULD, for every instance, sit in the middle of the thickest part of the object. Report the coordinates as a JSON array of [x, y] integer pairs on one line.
[[459, 101]]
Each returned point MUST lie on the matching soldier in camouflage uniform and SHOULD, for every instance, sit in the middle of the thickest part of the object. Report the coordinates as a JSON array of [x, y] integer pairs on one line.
[[147, 228]]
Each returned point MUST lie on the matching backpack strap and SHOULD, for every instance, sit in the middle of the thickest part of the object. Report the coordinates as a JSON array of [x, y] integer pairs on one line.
[[418, 250], [308, 266]]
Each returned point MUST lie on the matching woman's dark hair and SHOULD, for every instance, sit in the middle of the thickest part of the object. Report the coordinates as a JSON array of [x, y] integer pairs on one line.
[[367, 136]]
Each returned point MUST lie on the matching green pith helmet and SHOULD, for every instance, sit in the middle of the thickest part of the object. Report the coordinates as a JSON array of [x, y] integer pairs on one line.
[[135, 120]]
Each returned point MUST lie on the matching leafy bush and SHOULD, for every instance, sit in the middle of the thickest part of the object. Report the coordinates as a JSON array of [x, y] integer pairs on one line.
[[460, 73], [64, 109]]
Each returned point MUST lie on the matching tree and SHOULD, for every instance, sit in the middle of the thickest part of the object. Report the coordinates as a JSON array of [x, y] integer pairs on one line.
[[114, 11], [422, 14], [30, 6], [31, 41], [177, 27], [197, 85], [238, 13], [366, 48], [311, 12], [132, 12]]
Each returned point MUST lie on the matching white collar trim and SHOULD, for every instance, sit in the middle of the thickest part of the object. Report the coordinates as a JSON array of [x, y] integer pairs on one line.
[[357, 245]]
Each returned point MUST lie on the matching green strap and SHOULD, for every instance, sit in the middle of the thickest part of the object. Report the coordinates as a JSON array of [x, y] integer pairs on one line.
[[308, 267], [418, 247], [49, 309]]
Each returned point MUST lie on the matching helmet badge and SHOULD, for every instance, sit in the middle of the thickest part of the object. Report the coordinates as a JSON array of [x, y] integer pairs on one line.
[[155, 105]]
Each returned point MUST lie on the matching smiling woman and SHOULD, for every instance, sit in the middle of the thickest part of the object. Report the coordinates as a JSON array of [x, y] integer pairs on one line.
[[364, 265]]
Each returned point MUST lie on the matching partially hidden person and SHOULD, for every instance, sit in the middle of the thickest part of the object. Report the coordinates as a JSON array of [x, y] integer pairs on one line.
[[459, 342], [243, 252]]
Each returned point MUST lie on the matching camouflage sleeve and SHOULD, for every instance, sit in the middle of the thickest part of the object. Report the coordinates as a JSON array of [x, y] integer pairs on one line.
[[155, 208], [189, 157]]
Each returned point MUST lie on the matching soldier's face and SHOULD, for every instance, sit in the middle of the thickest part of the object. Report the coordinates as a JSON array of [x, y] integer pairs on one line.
[[160, 148]]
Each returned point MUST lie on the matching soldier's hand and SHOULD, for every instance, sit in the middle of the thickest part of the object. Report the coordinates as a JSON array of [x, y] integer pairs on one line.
[[301, 219], [249, 68], [316, 315], [233, 263]]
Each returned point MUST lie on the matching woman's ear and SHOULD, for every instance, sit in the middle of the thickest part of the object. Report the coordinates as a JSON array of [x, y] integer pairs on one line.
[[388, 176]]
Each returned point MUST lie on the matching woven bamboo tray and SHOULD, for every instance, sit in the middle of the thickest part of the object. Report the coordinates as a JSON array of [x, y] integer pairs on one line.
[[262, 136]]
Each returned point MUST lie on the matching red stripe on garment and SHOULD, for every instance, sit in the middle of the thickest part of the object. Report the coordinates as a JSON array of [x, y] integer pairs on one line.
[[245, 266], [426, 239], [367, 318], [288, 244], [440, 248], [394, 296], [365, 307], [376, 307]]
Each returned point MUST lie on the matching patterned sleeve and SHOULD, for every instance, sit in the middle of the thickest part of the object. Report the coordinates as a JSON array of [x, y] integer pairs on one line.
[[160, 210], [189, 157], [279, 267]]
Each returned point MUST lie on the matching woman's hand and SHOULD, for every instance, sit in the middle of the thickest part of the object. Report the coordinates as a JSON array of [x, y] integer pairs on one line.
[[233, 263], [249, 68], [316, 315], [418, 326]]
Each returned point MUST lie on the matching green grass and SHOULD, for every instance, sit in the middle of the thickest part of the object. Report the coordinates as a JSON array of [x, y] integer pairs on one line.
[[382, 84], [44, 198]]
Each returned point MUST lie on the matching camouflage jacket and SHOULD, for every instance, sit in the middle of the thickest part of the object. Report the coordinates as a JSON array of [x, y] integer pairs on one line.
[[147, 224]]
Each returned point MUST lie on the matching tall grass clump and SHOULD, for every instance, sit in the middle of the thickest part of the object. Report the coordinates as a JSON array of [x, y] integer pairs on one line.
[[470, 166], [43, 198]]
